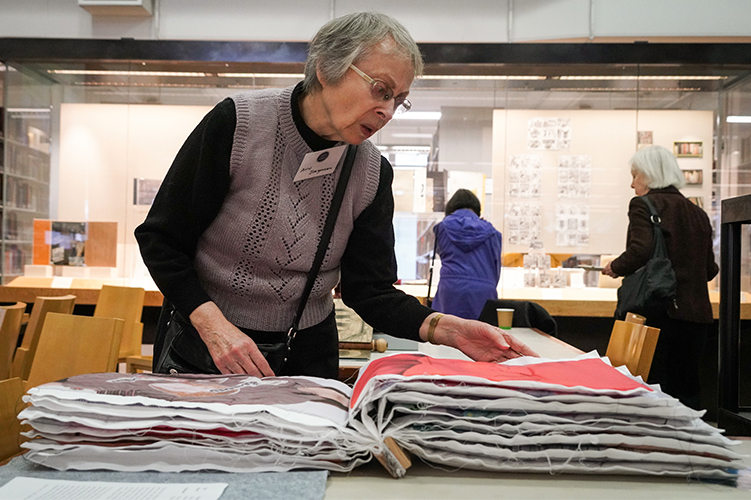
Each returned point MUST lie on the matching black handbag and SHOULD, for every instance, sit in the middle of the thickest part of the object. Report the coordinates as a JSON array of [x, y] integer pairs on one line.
[[183, 350], [651, 289]]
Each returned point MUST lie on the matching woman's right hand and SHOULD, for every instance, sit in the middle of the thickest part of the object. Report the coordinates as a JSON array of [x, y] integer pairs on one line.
[[231, 350]]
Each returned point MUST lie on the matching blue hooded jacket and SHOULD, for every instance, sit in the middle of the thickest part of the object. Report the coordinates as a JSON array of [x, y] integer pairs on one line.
[[470, 252]]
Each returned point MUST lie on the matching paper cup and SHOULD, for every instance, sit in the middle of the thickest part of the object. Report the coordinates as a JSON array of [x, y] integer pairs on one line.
[[505, 317]]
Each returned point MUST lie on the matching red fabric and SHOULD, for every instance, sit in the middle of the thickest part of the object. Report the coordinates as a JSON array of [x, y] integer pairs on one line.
[[592, 373]]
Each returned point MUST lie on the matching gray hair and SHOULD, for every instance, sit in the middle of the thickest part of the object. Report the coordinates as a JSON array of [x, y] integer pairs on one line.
[[659, 166], [348, 39]]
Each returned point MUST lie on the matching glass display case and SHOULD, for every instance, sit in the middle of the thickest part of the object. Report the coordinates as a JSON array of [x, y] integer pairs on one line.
[[542, 133], [26, 163]]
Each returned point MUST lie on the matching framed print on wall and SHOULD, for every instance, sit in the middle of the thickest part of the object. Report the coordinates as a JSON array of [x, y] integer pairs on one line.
[[688, 149]]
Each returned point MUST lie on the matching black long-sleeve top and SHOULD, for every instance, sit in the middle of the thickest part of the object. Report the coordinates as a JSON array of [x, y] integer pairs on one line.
[[193, 192]]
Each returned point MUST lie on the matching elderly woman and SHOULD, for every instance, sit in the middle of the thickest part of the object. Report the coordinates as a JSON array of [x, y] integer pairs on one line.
[[232, 232], [688, 238]]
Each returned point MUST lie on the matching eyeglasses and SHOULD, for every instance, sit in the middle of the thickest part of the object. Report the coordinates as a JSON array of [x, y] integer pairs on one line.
[[383, 93]]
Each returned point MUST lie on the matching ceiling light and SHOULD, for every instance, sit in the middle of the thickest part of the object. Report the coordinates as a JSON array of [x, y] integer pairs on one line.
[[28, 110], [412, 136], [102, 72], [261, 75], [411, 149], [738, 119], [419, 115], [641, 77], [482, 77]]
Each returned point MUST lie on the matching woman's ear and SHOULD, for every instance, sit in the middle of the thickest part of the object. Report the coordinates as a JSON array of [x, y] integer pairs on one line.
[[319, 75]]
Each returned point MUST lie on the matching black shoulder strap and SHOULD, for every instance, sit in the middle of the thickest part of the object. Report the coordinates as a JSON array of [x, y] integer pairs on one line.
[[328, 228], [658, 248], [428, 301]]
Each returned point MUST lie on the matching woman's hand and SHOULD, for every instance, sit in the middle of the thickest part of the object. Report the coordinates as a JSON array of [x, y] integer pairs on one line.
[[231, 350], [480, 341], [608, 271]]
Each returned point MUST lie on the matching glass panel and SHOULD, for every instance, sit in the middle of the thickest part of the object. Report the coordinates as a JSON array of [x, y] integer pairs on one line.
[[26, 169], [116, 127], [734, 177]]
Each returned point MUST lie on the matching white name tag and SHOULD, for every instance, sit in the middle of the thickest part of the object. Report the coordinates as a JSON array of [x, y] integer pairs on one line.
[[319, 163]]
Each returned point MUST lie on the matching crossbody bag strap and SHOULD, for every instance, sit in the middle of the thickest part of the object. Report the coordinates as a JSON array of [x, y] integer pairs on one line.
[[328, 229], [432, 265], [658, 249]]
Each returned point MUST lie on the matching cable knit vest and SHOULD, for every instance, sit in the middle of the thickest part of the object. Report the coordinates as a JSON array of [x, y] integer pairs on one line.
[[254, 258]]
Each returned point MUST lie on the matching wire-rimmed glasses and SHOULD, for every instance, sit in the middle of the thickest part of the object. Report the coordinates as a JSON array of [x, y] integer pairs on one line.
[[383, 93]]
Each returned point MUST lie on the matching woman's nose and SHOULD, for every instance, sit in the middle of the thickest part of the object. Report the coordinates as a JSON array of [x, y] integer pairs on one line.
[[386, 110]]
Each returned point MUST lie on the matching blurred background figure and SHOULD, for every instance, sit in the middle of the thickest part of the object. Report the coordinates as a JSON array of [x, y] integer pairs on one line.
[[688, 238], [470, 252]]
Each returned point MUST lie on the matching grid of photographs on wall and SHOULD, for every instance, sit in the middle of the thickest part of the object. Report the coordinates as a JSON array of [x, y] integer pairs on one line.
[[525, 176], [524, 223], [574, 176], [549, 134], [571, 225]]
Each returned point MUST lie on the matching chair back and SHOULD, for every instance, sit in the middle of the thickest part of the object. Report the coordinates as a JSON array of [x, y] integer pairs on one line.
[[73, 345], [25, 353], [11, 391], [633, 345], [125, 303], [10, 327], [527, 314]]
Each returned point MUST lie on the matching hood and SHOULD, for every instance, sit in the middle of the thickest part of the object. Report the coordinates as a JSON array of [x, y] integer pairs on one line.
[[466, 230]]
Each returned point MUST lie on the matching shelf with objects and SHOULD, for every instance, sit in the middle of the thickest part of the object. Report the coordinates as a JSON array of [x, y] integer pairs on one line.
[[25, 137]]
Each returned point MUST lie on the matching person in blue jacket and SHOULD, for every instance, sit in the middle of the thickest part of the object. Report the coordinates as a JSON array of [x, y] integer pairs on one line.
[[470, 252]]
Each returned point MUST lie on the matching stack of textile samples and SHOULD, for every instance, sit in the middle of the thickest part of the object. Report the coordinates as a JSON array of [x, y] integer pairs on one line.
[[527, 415]]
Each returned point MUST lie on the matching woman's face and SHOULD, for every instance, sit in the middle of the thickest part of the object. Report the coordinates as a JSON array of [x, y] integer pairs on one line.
[[348, 110], [639, 183]]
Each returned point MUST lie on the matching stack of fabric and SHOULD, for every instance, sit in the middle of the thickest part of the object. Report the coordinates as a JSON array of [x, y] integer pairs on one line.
[[532, 415], [166, 423]]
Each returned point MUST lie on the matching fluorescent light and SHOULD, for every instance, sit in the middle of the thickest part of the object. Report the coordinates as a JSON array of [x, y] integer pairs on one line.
[[413, 149], [412, 136], [102, 72], [261, 75], [28, 110], [641, 77], [482, 77], [419, 115], [739, 119]]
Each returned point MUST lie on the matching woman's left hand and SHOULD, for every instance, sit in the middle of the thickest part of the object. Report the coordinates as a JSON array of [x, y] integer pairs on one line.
[[608, 271], [480, 341]]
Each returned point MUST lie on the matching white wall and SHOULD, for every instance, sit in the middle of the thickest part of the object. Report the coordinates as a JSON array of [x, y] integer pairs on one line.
[[609, 138], [428, 20], [103, 147]]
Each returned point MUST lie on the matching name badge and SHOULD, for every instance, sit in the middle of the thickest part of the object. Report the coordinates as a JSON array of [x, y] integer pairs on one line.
[[319, 163]]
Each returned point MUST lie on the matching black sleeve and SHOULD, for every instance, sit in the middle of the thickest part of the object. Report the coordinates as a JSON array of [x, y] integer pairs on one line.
[[368, 269], [188, 200], [638, 240]]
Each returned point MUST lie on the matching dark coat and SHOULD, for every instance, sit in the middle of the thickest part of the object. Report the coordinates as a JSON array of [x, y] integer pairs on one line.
[[688, 238]]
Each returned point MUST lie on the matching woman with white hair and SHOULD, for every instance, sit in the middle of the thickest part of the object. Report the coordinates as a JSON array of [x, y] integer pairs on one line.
[[688, 239], [233, 231]]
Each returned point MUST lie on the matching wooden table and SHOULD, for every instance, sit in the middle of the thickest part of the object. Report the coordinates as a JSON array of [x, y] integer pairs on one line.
[[582, 302], [86, 290], [423, 482]]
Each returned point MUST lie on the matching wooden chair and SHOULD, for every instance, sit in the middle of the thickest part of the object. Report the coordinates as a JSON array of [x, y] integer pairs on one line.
[[70, 345], [42, 305], [125, 303], [633, 344], [10, 327], [11, 391]]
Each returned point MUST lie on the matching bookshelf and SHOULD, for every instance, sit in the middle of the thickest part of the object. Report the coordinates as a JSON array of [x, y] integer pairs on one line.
[[25, 183]]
